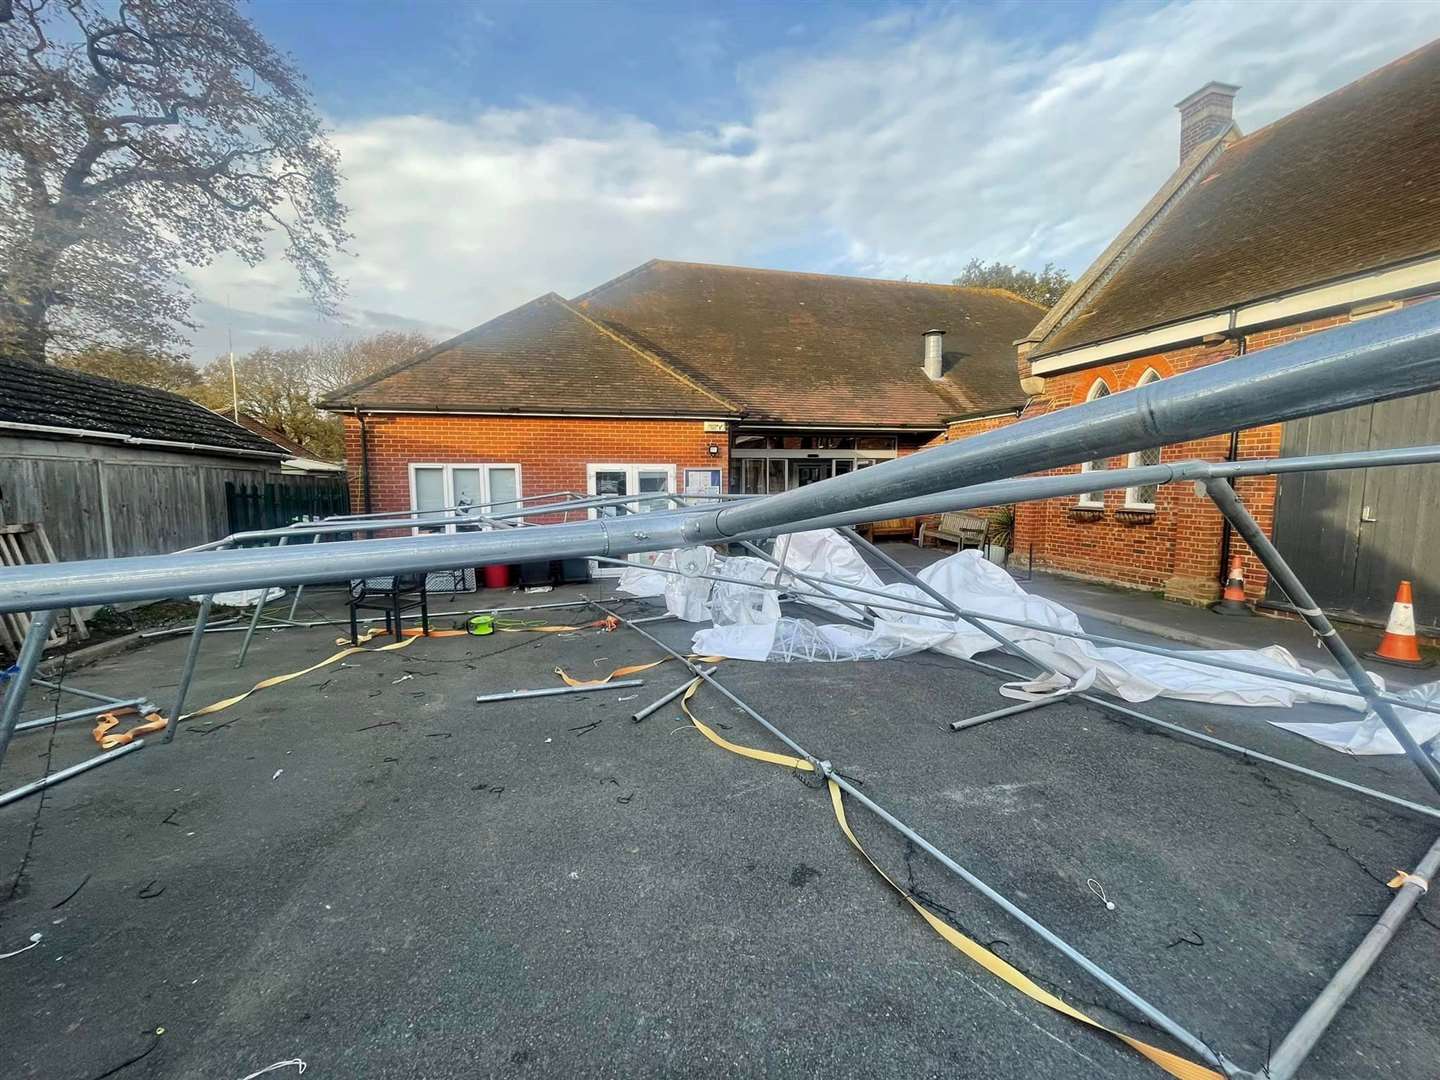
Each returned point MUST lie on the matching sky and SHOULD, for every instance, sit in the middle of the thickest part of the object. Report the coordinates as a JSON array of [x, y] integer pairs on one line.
[[495, 151]]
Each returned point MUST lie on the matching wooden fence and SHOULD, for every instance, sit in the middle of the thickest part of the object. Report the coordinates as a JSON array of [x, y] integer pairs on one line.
[[286, 500]]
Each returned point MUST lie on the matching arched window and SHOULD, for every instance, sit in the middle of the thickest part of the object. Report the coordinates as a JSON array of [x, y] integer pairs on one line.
[[1142, 497], [1094, 500]]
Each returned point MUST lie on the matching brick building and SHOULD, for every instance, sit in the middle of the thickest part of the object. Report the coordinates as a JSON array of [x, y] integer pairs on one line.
[[1330, 214], [684, 377]]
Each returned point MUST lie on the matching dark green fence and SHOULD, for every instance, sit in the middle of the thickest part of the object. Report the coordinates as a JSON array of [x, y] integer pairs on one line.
[[294, 498]]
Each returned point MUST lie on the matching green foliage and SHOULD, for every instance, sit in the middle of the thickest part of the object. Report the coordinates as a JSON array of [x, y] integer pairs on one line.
[[1045, 288]]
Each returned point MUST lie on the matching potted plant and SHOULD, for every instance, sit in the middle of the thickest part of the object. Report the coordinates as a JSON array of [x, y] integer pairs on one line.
[[1000, 534]]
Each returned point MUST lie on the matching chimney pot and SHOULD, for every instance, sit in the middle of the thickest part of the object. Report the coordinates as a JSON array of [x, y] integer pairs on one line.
[[1204, 114], [934, 353]]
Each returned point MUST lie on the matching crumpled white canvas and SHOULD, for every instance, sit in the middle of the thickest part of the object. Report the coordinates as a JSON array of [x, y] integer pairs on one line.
[[244, 597], [977, 585]]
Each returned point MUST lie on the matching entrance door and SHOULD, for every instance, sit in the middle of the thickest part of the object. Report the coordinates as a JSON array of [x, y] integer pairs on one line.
[[606, 480], [1352, 535], [809, 472]]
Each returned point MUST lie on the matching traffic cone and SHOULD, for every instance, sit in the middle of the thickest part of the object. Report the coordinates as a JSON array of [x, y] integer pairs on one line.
[[1232, 600], [1399, 645]]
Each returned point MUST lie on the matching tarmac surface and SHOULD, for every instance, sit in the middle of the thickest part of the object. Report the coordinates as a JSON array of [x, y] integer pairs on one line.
[[376, 875]]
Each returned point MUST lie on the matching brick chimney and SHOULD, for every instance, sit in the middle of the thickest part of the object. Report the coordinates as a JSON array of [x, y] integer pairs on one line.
[[1205, 113]]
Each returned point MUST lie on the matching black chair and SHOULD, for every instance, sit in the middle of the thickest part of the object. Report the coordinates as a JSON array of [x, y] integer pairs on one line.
[[394, 596]]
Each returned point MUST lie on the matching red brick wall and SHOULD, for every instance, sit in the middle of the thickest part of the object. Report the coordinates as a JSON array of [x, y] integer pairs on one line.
[[552, 451], [1177, 548]]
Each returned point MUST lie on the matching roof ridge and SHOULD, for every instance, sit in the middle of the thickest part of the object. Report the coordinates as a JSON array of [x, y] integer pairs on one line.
[[423, 355], [1002, 291], [649, 263], [1095, 276], [644, 353]]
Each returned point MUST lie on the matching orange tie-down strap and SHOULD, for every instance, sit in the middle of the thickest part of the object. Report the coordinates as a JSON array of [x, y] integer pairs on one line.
[[106, 721], [621, 672], [1173, 1064]]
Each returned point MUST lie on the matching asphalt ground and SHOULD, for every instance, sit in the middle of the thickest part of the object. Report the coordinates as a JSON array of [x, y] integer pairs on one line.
[[380, 877]]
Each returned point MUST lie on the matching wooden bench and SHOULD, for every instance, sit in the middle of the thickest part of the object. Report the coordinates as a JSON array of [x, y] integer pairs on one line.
[[903, 528], [962, 530]]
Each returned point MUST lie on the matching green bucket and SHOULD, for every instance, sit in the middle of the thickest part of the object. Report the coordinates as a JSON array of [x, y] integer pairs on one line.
[[481, 625]]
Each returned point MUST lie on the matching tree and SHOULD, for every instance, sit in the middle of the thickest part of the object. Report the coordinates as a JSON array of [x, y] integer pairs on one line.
[[138, 137], [342, 361], [135, 364], [1044, 288]]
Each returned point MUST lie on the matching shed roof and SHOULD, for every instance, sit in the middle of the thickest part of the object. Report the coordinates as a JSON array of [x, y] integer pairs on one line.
[[48, 396], [1348, 184]]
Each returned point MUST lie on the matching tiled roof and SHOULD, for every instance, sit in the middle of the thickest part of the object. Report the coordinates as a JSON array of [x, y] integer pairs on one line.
[[543, 357], [823, 349], [1348, 184], [58, 397], [672, 338]]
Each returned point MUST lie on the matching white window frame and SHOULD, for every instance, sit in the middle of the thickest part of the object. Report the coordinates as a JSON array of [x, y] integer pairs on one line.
[[1132, 494], [1093, 500], [448, 467], [632, 471]]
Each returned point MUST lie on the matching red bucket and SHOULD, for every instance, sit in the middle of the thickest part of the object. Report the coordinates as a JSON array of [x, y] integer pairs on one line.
[[496, 576]]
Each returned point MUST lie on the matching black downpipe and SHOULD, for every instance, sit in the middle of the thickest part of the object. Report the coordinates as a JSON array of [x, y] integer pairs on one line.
[[1230, 455], [364, 462]]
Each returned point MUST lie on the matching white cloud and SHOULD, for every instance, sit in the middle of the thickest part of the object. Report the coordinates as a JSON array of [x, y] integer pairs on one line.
[[916, 145]]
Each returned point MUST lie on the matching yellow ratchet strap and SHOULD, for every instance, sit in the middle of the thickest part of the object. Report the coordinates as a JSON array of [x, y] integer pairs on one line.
[[276, 680], [621, 672], [1173, 1064]]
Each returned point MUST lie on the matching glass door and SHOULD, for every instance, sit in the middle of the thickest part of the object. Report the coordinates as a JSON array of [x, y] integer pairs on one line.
[[612, 480]]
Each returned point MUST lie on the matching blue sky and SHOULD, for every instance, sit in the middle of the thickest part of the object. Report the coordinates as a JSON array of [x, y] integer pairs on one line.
[[495, 151]]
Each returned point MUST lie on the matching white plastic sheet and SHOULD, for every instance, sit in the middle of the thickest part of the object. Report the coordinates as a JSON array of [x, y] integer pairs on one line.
[[244, 597], [979, 586]]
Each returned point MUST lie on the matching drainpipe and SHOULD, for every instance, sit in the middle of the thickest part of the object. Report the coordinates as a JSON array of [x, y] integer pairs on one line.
[[1231, 454], [364, 462]]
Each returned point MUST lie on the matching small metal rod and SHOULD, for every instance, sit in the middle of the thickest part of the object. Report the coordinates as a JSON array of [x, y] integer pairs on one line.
[[259, 611], [54, 778], [553, 691], [192, 654], [935, 594], [1009, 710], [91, 694], [1296, 1046], [1151, 1013], [695, 669], [1224, 497], [670, 696], [1222, 744], [41, 623], [79, 714], [1094, 970], [295, 602]]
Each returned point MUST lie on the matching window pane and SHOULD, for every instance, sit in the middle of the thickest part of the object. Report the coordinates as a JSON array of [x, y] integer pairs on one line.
[[610, 482], [466, 484], [429, 489], [875, 442], [777, 475], [504, 488], [649, 480], [752, 481]]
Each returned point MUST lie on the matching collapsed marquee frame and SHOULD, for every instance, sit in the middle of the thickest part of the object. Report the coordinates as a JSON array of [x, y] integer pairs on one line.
[[1386, 357]]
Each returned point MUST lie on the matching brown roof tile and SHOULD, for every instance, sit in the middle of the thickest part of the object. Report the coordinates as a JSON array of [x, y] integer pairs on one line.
[[543, 357], [688, 339], [822, 349], [1348, 184]]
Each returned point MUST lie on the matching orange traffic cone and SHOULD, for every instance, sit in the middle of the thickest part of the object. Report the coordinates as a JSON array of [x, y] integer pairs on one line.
[[1232, 600], [1399, 645]]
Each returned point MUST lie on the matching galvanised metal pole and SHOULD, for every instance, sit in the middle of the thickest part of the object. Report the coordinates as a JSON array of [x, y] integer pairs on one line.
[[25, 664], [1033, 488], [554, 691], [259, 613], [192, 654], [1385, 357], [1094, 970], [91, 694], [670, 696], [817, 585], [1221, 744], [1223, 495], [1296, 1046], [1377, 359], [15, 794], [77, 714], [299, 589]]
